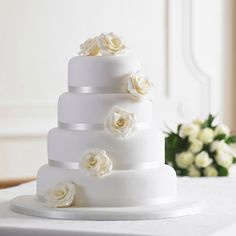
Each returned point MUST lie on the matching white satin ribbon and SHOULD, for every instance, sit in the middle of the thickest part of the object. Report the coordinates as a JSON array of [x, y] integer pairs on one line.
[[129, 205], [80, 126], [87, 126], [76, 165], [63, 164], [89, 89]]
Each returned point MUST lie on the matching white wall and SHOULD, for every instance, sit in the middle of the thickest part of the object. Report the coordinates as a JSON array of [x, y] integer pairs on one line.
[[37, 38], [196, 59]]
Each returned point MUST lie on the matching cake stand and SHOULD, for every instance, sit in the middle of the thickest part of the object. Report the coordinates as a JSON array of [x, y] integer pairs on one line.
[[30, 205]]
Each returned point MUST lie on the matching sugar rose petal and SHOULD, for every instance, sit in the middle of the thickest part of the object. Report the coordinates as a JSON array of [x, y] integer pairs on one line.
[[120, 123], [110, 44], [138, 85], [97, 162], [61, 195], [89, 48]]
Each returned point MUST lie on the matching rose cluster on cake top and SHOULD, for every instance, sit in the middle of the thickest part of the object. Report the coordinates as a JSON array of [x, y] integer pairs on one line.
[[103, 45]]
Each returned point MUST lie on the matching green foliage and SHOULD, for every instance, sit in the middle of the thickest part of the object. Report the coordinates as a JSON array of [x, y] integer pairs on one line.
[[174, 144], [183, 172], [220, 137], [231, 139], [178, 128], [222, 171], [209, 122]]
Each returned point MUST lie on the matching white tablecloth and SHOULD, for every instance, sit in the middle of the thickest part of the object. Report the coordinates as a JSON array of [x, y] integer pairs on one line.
[[217, 218]]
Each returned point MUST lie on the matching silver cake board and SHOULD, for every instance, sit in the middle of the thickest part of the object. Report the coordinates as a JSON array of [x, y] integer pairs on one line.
[[30, 205]]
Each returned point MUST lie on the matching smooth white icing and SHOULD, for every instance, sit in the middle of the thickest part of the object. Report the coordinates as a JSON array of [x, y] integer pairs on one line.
[[144, 146], [105, 71], [93, 108], [121, 188], [128, 183]]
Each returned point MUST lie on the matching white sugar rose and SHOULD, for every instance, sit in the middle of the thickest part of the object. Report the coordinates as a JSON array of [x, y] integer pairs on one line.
[[89, 48], [97, 162], [219, 146], [184, 159], [120, 123], [210, 171], [221, 129], [110, 44], [224, 159], [193, 171], [138, 85], [61, 195], [195, 145], [206, 135], [202, 160], [189, 130]]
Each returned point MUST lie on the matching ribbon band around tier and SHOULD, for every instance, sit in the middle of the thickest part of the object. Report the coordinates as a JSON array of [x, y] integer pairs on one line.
[[76, 165], [90, 89], [87, 126]]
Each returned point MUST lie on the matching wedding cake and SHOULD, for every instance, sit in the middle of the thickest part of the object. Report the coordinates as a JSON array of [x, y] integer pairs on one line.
[[105, 151]]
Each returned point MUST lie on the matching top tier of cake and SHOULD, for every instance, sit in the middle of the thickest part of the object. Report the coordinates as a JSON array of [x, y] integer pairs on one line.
[[101, 71], [104, 79]]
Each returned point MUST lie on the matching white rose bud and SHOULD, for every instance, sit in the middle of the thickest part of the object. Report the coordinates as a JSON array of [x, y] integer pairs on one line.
[[195, 145], [184, 159], [189, 130], [210, 171], [206, 135], [198, 122], [193, 171], [222, 129], [218, 146], [202, 159], [224, 159], [232, 171]]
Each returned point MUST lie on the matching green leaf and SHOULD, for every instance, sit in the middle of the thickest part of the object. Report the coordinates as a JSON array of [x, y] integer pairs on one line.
[[208, 122], [182, 172], [234, 160], [174, 144], [178, 128], [170, 156], [174, 141], [170, 131], [222, 171], [220, 137], [231, 139]]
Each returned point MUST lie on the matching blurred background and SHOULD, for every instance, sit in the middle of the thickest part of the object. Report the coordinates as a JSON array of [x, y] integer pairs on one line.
[[186, 46]]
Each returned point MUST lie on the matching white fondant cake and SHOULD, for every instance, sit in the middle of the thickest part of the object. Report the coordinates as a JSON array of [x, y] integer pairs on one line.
[[95, 71], [105, 151], [93, 108], [145, 146], [120, 188]]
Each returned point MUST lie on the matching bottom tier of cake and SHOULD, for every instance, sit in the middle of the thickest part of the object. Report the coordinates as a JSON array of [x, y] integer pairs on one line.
[[120, 188]]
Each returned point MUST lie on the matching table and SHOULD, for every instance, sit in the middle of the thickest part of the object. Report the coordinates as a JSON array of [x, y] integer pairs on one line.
[[217, 218]]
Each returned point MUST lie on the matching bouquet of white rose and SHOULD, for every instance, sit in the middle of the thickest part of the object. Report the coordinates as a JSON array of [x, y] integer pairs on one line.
[[200, 148]]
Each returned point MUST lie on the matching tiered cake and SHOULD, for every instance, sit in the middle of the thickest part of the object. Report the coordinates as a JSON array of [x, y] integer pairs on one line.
[[105, 151]]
